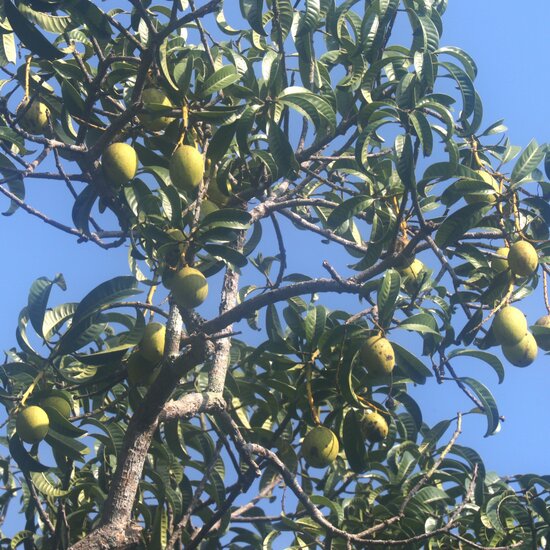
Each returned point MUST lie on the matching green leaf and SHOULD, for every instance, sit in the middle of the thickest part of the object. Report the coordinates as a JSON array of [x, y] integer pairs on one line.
[[8, 51], [311, 17], [46, 487], [423, 131], [349, 208], [87, 13], [219, 80], [38, 300], [20, 537], [29, 35], [488, 358], [409, 365], [55, 317], [17, 187], [226, 254], [282, 151], [314, 324], [159, 536], [312, 106], [163, 64], [354, 443], [388, 291], [106, 293], [527, 162], [231, 218], [104, 357], [82, 208], [49, 22], [220, 142], [252, 12], [455, 225], [490, 409], [67, 446], [421, 322], [7, 134], [467, 62], [344, 378], [24, 460], [465, 86], [405, 160], [72, 100]]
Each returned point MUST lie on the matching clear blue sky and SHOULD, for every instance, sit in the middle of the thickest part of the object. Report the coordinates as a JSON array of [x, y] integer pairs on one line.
[[509, 42]]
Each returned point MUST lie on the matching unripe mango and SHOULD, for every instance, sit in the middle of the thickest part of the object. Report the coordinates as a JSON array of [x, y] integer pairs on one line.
[[523, 258], [141, 372], [378, 356], [189, 287], [152, 342], [186, 168], [490, 197], [523, 353], [509, 326], [374, 427], [543, 340], [216, 195], [413, 275], [32, 424], [320, 447], [35, 118], [119, 162], [150, 120], [500, 264], [61, 405]]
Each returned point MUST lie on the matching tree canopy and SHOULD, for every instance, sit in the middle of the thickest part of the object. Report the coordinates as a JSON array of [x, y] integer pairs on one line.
[[210, 397]]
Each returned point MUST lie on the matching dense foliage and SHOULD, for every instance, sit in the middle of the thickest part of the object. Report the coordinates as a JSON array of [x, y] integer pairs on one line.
[[315, 117]]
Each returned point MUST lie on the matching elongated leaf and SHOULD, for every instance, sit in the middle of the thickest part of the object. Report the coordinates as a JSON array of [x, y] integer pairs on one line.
[[221, 142], [354, 443], [55, 317], [423, 131], [105, 294], [455, 225], [281, 150], [314, 324], [226, 254], [38, 300], [231, 218], [67, 446], [409, 365], [82, 208], [219, 80], [17, 187], [527, 162], [488, 358], [344, 377], [24, 460], [20, 537], [490, 409], [87, 13], [46, 487], [405, 160], [349, 208], [49, 22], [387, 295], [252, 12], [7, 134], [29, 35], [465, 86], [310, 18], [421, 322]]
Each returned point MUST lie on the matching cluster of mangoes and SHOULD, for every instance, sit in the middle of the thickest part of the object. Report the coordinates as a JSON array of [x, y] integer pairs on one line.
[[32, 422], [320, 446]]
